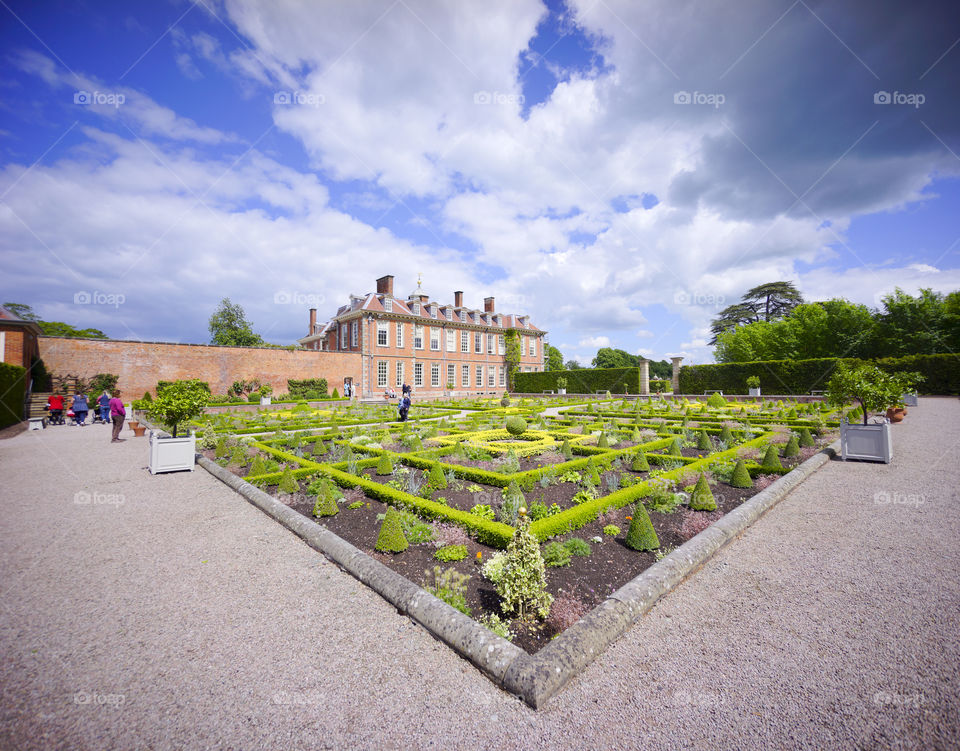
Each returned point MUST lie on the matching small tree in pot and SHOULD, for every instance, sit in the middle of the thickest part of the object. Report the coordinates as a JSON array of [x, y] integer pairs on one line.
[[179, 402], [874, 389]]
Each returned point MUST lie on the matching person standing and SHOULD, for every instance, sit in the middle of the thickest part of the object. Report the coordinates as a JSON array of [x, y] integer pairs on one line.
[[80, 409], [117, 416], [104, 402], [404, 408]]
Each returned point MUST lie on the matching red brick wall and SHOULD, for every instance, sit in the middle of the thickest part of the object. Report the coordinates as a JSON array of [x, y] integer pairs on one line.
[[141, 364], [20, 346]]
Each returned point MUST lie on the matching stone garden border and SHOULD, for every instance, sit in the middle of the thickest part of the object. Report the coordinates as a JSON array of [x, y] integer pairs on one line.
[[534, 678]]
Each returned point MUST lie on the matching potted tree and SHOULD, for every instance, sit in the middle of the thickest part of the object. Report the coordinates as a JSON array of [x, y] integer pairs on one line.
[[177, 403], [874, 391], [561, 385], [265, 391], [753, 384]]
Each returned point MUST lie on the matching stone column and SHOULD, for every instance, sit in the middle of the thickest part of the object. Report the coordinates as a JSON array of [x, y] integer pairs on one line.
[[645, 377], [675, 378]]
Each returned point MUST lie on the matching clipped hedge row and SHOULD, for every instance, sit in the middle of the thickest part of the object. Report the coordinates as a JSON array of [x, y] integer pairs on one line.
[[585, 381], [12, 389], [941, 374]]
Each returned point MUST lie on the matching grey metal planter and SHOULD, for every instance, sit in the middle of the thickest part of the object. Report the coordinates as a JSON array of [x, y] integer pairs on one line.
[[870, 442], [910, 400]]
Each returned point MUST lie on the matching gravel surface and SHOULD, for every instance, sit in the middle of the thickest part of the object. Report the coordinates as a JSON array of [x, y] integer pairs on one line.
[[166, 612]]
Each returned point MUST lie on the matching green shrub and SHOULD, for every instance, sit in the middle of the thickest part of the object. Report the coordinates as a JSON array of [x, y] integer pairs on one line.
[[415, 529], [483, 510], [326, 504], [449, 586], [565, 450], [512, 501], [385, 465], [806, 439], [611, 529], [555, 555], [792, 448], [771, 460], [577, 546], [436, 479], [516, 425], [702, 497], [538, 511], [496, 624], [675, 448], [716, 401], [450, 553], [726, 435], [640, 463], [741, 477], [522, 584], [356, 505], [703, 441], [641, 535], [391, 539], [602, 442], [287, 483], [492, 570]]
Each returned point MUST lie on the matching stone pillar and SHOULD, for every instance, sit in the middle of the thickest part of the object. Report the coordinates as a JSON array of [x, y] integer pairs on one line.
[[645, 377], [675, 378]]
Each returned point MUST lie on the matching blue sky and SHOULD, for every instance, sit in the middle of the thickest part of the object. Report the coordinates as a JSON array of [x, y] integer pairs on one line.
[[619, 171]]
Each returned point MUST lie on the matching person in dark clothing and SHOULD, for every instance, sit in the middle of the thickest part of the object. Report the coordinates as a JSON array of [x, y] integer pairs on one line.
[[404, 408], [80, 409], [117, 415]]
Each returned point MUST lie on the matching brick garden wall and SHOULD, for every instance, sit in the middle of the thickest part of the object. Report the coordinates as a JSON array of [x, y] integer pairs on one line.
[[141, 364]]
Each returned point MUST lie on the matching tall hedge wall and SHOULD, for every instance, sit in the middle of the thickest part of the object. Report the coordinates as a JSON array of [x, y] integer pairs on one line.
[[585, 381], [12, 390], [941, 374]]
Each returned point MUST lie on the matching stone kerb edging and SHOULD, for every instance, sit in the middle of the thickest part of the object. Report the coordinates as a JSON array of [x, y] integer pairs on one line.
[[535, 678]]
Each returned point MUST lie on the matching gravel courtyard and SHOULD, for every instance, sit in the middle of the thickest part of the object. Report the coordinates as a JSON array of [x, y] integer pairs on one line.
[[165, 612]]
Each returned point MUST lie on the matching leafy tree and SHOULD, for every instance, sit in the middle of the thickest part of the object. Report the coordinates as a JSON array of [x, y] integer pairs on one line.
[[919, 325], [614, 358], [22, 311], [874, 389], [554, 358], [180, 401], [766, 302], [572, 365], [229, 327]]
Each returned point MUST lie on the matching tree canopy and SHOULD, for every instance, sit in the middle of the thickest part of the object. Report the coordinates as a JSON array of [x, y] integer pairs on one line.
[[53, 328], [906, 325], [229, 327], [554, 358], [766, 302]]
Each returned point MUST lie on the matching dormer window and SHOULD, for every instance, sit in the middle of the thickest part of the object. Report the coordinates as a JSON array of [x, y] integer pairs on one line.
[[416, 308], [499, 320], [433, 311], [388, 304], [449, 314], [486, 319], [463, 316]]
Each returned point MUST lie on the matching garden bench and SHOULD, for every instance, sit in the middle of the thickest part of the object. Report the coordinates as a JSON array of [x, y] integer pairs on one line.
[[713, 391], [817, 393]]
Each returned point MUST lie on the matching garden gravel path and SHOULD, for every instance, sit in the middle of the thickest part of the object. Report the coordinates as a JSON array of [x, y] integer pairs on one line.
[[168, 613]]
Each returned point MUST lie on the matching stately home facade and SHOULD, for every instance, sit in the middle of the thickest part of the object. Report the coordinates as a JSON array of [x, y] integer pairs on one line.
[[436, 348]]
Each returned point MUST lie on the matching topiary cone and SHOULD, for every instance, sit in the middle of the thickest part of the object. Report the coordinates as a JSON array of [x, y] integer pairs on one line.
[[287, 482], [703, 441], [602, 442], [391, 539], [676, 449], [771, 460], [640, 463], [741, 477], [385, 465], [792, 448], [635, 436], [806, 439], [565, 450], [641, 535], [326, 504], [436, 478], [726, 435], [702, 498]]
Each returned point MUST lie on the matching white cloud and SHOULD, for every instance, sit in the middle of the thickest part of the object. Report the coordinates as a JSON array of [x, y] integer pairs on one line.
[[594, 341]]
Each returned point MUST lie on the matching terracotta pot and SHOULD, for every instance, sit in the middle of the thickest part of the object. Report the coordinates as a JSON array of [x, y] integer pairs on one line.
[[133, 424], [139, 431], [895, 414]]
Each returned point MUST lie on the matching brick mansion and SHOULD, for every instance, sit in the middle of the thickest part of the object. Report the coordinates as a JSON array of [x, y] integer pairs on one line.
[[434, 347]]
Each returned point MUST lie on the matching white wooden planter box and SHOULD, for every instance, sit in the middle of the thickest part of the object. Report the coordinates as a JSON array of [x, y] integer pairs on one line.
[[909, 400], [755, 392], [264, 401], [171, 454], [866, 442]]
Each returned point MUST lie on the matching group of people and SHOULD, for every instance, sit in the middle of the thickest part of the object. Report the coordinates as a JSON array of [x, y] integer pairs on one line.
[[108, 409]]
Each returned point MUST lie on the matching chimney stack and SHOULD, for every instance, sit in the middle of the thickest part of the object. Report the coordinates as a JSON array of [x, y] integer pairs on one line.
[[488, 305], [385, 285], [313, 322], [458, 299]]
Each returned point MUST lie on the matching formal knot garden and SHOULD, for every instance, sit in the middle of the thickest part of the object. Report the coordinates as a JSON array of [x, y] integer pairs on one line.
[[522, 514]]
